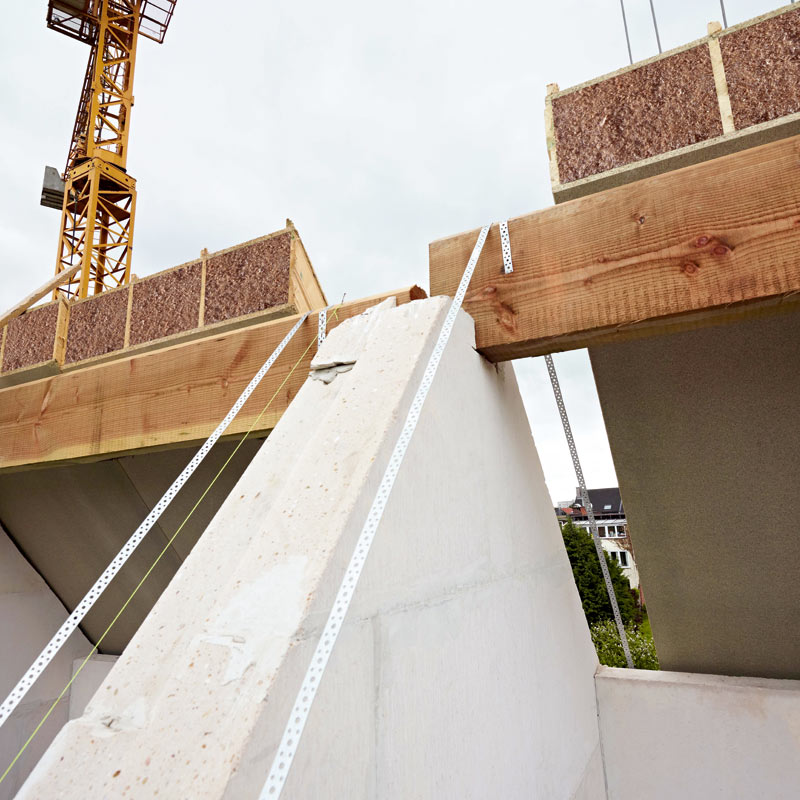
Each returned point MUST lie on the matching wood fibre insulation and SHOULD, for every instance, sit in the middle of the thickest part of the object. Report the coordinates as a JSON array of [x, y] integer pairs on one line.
[[97, 325], [30, 338], [248, 278], [166, 304]]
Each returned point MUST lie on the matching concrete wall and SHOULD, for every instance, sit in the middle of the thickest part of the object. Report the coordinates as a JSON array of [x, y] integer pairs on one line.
[[29, 615], [464, 667], [107, 501], [670, 735], [703, 427]]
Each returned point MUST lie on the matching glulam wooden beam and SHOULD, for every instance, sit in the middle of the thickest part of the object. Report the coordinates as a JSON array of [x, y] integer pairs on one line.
[[683, 249], [172, 396]]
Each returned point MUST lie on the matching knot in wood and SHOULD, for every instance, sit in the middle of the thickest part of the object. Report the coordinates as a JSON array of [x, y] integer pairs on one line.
[[689, 268]]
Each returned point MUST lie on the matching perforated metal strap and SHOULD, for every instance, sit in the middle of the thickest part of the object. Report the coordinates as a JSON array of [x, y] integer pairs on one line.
[[75, 618], [322, 324], [505, 242], [576, 463], [308, 690]]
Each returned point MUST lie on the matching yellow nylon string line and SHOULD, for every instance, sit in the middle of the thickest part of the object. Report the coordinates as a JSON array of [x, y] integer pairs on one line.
[[334, 314]]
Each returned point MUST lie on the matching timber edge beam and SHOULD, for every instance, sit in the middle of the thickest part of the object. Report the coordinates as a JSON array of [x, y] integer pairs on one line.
[[699, 246], [174, 396], [45, 289]]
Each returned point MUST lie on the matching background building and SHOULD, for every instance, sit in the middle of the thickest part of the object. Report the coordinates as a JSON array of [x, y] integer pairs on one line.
[[612, 526]]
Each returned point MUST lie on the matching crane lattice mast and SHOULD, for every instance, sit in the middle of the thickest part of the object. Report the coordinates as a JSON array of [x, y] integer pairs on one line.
[[99, 196]]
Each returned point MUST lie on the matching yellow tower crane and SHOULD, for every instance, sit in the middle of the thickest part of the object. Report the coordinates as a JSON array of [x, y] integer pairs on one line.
[[96, 196]]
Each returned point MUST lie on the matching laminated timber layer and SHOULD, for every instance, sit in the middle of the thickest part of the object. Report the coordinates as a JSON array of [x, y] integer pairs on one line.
[[683, 249], [168, 397]]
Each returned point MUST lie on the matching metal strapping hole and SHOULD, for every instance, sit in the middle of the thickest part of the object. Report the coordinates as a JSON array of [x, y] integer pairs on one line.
[[576, 463], [75, 618], [308, 690], [505, 241]]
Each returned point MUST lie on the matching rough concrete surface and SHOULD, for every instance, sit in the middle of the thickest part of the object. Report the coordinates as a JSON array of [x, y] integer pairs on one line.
[[698, 736], [166, 304], [644, 112], [247, 279], [706, 444], [464, 667], [31, 338], [762, 68]]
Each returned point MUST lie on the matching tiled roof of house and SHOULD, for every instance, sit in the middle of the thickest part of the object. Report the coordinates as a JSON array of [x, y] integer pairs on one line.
[[606, 501]]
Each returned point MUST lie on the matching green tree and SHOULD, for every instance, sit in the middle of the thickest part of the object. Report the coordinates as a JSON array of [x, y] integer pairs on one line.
[[589, 577]]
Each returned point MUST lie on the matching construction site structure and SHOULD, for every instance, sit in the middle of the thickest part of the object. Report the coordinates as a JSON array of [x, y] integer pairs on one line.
[[98, 206], [366, 580]]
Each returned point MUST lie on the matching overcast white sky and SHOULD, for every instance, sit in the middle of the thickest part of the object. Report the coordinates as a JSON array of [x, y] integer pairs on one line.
[[375, 127]]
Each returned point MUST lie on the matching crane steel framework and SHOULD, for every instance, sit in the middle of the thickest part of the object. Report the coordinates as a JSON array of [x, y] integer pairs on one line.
[[99, 205]]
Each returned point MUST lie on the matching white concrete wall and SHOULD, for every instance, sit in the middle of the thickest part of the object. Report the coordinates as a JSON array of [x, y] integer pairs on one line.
[[29, 615], [464, 667], [670, 735]]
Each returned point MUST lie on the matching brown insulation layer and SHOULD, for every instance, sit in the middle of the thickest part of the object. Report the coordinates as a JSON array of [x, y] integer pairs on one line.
[[166, 304], [762, 67], [248, 279], [97, 326], [656, 108], [30, 338]]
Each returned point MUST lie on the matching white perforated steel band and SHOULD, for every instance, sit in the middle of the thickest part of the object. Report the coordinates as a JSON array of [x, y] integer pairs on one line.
[[576, 463], [322, 324], [505, 242], [75, 618], [297, 720]]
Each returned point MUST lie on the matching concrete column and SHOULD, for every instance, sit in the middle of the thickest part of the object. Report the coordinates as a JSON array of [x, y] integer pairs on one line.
[[464, 667]]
